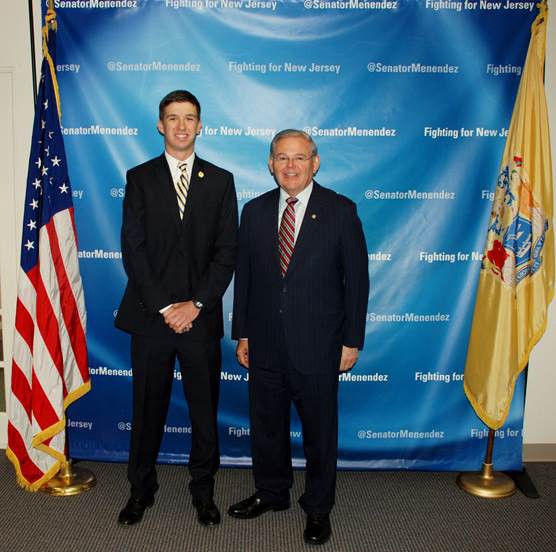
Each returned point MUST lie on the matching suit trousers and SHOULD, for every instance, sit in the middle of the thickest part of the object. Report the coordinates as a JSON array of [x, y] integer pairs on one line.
[[153, 361], [315, 397]]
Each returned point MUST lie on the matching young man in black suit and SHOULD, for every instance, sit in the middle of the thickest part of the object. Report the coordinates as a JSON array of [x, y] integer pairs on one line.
[[179, 241], [301, 291]]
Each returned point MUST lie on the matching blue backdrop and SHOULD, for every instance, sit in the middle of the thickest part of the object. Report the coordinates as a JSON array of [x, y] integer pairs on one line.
[[408, 101]]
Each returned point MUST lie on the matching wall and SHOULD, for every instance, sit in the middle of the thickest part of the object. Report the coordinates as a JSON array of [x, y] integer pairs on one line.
[[16, 114]]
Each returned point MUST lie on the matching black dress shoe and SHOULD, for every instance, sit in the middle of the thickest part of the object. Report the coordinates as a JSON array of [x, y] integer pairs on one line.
[[317, 530], [207, 512], [134, 509], [254, 506]]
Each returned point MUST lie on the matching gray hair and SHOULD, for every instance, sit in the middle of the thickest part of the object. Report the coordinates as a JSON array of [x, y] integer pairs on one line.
[[295, 133]]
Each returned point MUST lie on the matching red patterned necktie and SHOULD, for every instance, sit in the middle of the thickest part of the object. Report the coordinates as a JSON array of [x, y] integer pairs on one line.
[[286, 235]]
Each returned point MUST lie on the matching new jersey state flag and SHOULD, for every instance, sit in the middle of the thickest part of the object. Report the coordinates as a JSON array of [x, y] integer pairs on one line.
[[516, 282]]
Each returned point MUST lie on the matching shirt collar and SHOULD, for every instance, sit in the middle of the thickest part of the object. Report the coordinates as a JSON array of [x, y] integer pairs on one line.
[[303, 197], [173, 162]]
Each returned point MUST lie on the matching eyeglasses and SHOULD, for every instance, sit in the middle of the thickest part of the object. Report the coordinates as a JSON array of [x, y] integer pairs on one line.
[[297, 158]]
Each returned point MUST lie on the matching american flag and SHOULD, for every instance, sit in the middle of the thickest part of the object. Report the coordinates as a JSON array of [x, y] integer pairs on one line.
[[49, 366]]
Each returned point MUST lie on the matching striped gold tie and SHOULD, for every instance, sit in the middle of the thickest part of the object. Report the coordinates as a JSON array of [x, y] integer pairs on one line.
[[182, 187]]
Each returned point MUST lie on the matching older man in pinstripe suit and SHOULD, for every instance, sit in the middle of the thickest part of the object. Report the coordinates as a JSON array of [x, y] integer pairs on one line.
[[301, 292]]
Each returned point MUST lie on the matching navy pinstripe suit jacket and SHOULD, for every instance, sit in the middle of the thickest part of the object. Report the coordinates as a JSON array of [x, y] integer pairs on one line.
[[321, 303]]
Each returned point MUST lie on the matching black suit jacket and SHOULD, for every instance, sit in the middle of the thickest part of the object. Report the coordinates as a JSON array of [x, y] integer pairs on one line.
[[321, 303], [168, 259]]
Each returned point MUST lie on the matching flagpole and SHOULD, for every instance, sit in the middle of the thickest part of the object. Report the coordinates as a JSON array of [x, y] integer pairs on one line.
[[489, 484], [33, 60], [71, 479], [521, 477]]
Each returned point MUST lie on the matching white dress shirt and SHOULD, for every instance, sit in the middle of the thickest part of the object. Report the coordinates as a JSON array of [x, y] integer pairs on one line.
[[175, 171], [174, 163], [300, 207]]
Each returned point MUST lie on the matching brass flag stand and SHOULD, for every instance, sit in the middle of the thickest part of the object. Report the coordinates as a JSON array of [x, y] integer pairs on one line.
[[70, 480], [487, 483]]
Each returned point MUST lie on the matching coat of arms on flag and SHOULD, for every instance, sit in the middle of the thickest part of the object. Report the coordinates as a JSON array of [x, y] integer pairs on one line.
[[517, 228]]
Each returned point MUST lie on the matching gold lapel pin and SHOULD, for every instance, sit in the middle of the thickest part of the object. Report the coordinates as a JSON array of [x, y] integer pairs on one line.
[[201, 174], [313, 216]]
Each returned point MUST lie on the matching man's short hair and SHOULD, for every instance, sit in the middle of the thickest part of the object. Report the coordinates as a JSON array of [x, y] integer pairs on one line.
[[178, 96], [294, 133]]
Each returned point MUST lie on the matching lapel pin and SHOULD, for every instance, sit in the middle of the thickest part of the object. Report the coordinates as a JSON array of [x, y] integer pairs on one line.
[[201, 174], [313, 216]]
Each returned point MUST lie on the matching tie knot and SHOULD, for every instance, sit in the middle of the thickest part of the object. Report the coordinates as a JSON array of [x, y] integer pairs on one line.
[[291, 200], [182, 167]]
